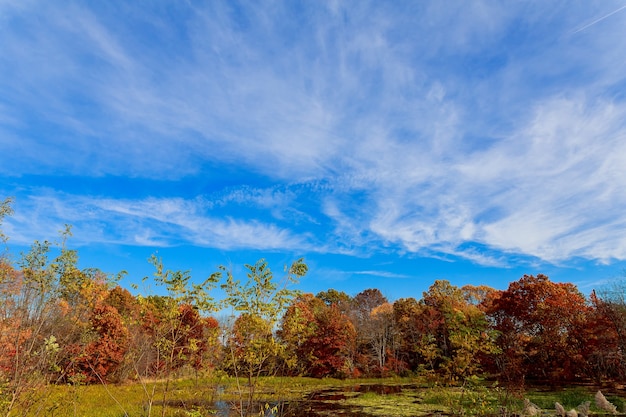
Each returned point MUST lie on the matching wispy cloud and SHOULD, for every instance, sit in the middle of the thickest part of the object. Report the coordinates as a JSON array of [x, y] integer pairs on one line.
[[475, 131], [557, 180], [150, 222], [382, 274]]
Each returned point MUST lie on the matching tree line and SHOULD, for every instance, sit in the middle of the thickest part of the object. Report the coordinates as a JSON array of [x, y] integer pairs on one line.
[[62, 324]]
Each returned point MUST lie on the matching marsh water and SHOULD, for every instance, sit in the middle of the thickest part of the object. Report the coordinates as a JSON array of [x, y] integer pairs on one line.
[[327, 402]]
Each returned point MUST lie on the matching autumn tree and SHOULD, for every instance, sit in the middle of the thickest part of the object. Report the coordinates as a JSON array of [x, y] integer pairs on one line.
[[168, 319], [606, 334], [129, 310], [409, 332], [382, 337], [193, 343], [88, 329], [337, 298], [34, 318], [108, 343], [212, 354], [332, 346], [260, 301], [298, 324], [320, 339], [541, 327], [361, 315], [455, 333], [254, 349], [477, 294], [365, 301]]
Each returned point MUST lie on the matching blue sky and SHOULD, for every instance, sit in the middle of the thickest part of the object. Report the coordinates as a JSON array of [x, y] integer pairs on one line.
[[389, 143]]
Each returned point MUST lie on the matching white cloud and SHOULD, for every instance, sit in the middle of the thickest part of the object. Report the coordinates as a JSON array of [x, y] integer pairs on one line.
[[557, 180], [418, 127], [549, 190], [382, 274], [149, 222]]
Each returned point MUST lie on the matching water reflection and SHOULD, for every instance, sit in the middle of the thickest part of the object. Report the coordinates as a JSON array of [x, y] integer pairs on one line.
[[327, 402]]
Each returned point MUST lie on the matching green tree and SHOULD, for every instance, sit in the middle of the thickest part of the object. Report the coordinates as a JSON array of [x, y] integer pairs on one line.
[[458, 333], [171, 329], [5, 210], [337, 298], [260, 301]]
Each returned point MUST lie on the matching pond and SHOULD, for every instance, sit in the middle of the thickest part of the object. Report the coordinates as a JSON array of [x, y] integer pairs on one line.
[[327, 402]]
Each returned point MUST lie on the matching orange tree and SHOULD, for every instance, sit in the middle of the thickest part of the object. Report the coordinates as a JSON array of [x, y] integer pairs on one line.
[[406, 315], [45, 308], [129, 310], [382, 337], [298, 324]]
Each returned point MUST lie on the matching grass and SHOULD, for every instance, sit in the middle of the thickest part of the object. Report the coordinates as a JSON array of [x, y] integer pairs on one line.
[[477, 400], [186, 396], [403, 404], [568, 397], [194, 398], [572, 397], [116, 400], [421, 401]]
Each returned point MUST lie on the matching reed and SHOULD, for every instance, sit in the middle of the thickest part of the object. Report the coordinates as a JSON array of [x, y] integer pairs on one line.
[[603, 404]]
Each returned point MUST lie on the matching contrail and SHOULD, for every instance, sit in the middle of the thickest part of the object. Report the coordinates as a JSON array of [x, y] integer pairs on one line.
[[599, 19]]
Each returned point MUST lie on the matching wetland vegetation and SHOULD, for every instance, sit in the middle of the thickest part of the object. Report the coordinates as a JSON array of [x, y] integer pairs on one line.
[[312, 397]]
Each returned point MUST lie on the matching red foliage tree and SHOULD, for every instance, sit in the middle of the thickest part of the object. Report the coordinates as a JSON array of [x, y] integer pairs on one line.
[[605, 344], [541, 325], [320, 336], [101, 357], [191, 344], [331, 346]]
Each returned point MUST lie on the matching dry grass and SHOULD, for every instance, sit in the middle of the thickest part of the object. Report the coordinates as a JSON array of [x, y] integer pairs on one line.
[[603, 404]]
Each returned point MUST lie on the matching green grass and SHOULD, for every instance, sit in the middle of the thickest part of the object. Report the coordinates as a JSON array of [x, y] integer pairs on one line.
[[189, 395], [572, 397], [116, 400], [477, 400], [567, 397], [404, 404], [194, 398]]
